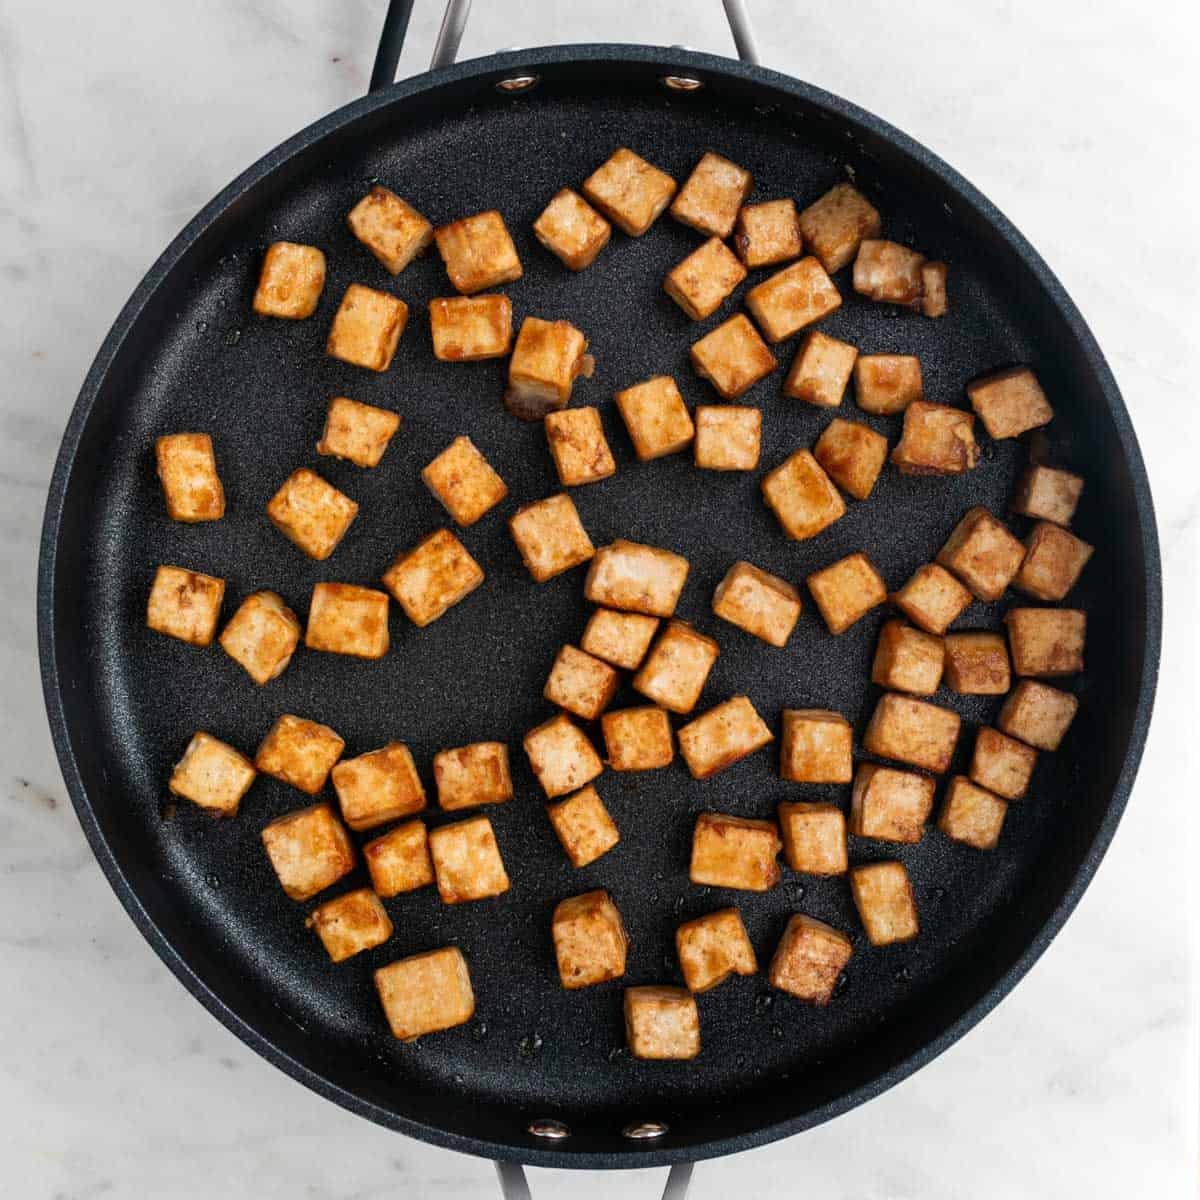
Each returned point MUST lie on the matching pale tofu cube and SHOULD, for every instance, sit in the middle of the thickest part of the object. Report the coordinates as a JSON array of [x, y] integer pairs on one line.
[[311, 513], [889, 272], [656, 417], [309, 850], [212, 775], [470, 328], [464, 481], [550, 537], [399, 860], [908, 660], [350, 924], [466, 861], [768, 233], [426, 993], [723, 736], [561, 756], [1002, 764], [390, 228], [814, 837], [1048, 494], [890, 805], [821, 369], [884, 898], [187, 470], [802, 497], [578, 446], [589, 940], [677, 669], [366, 328], [792, 298], [835, 225], [1037, 714], [704, 280], [713, 947], [636, 578], [971, 814], [936, 440], [583, 826], [912, 731], [735, 852], [816, 746], [638, 739], [629, 191], [932, 599], [1054, 559], [977, 664], [728, 437], [547, 359], [344, 618], [732, 357], [809, 960], [852, 455], [712, 195], [358, 433], [378, 787], [185, 605], [299, 752], [478, 252], [887, 383], [762, 604], [661, 1023], [581, 684], [619, 638], [1010, 403], [468, 776], [291, 281], [572, 230], [933, 289], [983, 554], [845, 591], [432, 577], [1046, 641]]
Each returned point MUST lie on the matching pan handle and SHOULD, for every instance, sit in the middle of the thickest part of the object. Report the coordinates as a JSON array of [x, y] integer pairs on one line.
[[514, 1185]]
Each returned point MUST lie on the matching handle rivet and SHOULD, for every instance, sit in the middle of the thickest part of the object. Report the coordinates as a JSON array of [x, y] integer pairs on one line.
[[547, 1127], [518, 83], [682, 83], [641, 1131]]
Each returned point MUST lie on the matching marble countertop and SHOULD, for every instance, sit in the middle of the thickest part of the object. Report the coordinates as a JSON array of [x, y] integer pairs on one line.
[[1077, 119]]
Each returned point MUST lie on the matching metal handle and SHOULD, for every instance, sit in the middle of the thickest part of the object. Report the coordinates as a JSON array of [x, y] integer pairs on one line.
[[514, 1185]]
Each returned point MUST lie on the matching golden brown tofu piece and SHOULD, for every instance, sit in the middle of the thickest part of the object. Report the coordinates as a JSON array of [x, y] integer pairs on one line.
[[809, 959], [581, 684], [589, 940], [636, 578], [358, 433], [816, 746], [735, 852], [629, 191], [470, 328], [638, 739], [399, 860], [768, 233], [723, 736], [1053, 561], [912, 731], [661, 1023], [426, 993], [390, 228], [936, 440], [802, 497], [299, 752], [1046, 641], [187, 470], [185, 605], [1002, 764], [728, 437], [908, 660], [889, 272], [713, 947], [852, 455], [583, 826], [291, 281], [933, 289], [550, 537], [835, 225], [677, 669], [464, 481], [212, 775], [311, 513], [762, 604], [983, 554], [883, 896], [845, 591], [971, 814], [431, 578], [887, 383], [732, 357], [977, 664], [1010, 403], [1048, 494], [561, 756], [344, 618], [572, 230], [814, 837], [821, 369], [466, 861], [366, 328], [350, 924], [712, 195], [468, 776], [547, 359], [478, 252], [619, 638], [890, 805], [378, 787], [932, 598], [1038, 714], [578, 446], [656, 417], [704, 280], [310, 850], [792, 298]]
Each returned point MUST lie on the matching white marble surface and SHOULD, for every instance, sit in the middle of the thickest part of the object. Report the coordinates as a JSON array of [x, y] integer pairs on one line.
[[119, 119]]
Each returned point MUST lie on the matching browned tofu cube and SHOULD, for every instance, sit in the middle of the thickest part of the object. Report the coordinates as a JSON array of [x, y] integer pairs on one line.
[[890, 273], [299, 752], [589, 940], [816, 746], [291, 281], [802, 497], [768, 233], [814, 837], [636, 578], [309, 849], [933, 289], [1010, 403], [912, 731], [464, 481], [378, 787], [578, 446], [932, 598], [471, 775], [350, 924], [971, 814], [358, 433], [1053, 560], [835, 225], [212, 775], [852, 455], [478, 252], [638, 739], [983, 554], [936, 440], [887, 383], [583, 825], [735, 852], [547, 359], [187, 470], [883, 896], [561, 756], [809, 959], [820, 370], [581, 684], [704, 280], [1002, 764], [470, 328], [661, 1023], [390, 228], [890, 805], [619, 638], [728, 437], [908, 660], [713, 947], [366, 328], [432, 577], [629, 191], [466, 861], [550, 537], [762, 604], [1038, 714], [732, 357], [311, 513], [977, 664], [399, 860], [677, 669], [1048, 494], [656, 417], [344, 618], [845, 591], [185, 605], [572, 230], [1046, 641], [723, 736], [712, 195], [792, 298], [426, 993]]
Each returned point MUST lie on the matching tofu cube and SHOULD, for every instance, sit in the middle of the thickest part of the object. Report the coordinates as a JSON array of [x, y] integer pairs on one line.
[[185, 605], [1046, 641], [1048, 494], [350, 924], [768, 233], [728, 437], [932, 599], [619, 638], [908, 660], [466, 861], [583, 826], [471, 775], [936, 440], [344, 618], [816, 746], [704, 280], [299, 752], [638, 739], [845, 591], [1010, 403], [426, 993], [887, 383], [629, 191], [1038, 714], [802, 497], [478, 252], [578, 446], [821, 369], [547, 359], [971, 814], [636, 578], [589, 940], [358, 433], [735, 852], [883, 896], [290, 282], [723, 736], [470, 328], [212, 775], [656, 417], [1002, 764], [852, 455], [572, 230], [366, 328], [912, 731], [581, 684], [187, 470], [814, 837], [983, 554], [809, 959], [378, 787], [732, 357], [713, 947], [561, 756], [550, 537], [399, 861], [432, 577], [464, 481], [310, 850], [712, 195], [977, 664], [311, 513], [890, 805], [390, 228], [933, 289], [835, 225], [792, 298], [661, 1023], [762, 604], [889, 273], [1054, 559], [677, 669], [262, 636]]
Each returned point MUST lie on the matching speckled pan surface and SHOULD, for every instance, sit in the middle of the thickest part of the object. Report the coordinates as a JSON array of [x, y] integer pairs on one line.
[[188, 354]]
